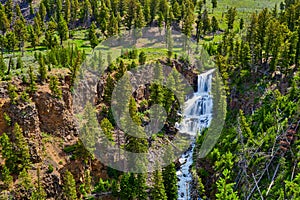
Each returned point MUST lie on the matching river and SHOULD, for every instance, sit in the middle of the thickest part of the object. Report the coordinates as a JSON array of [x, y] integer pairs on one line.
[[197, 116]]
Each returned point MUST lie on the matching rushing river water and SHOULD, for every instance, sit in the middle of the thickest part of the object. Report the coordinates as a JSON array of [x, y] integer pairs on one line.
[[197, 116]]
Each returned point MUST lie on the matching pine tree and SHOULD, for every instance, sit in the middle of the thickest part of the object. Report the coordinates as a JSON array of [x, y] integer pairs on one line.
[[67, 10], [241, 24], [20, 149], [132, 143], [121, 70], [8, 8], [11, 37], [292, 187], [164, 8], [32, 77], [6, 148], [206, 22], [8, 155], [214, 5], [74, 12], [33, 37], [169, 93], [125, 187], [156, 90], [3, 66], [160, 21], [50, 39], [39, 192], [225, 190], [37, 26], [103, 19], [188, 18], [146, 9], [58, 9], [89, 130], [132, 185], [31, 11], [3, 42], [19, 13], [214, 24], [113, 28], [245, 55], [87, 12], [75, 67], [114, 7], [153, 9], [115, 188], [87, 181], [107, 128], [245, 126], [158, 191], [62, 29], [21, 33], [139, 19], [42, 12], [141, 187], [92, 36], [25, 180], [6, 177], [42, 69], [13, 95], [170, 182], [122, 7], [69, 186], [130, 14], [261, 30], [230, 17], [199, 25], [54, 87], [108, 89], [170, 44], [273, 39], [4, 22], [16, 153], [176, 11], [297, 53]]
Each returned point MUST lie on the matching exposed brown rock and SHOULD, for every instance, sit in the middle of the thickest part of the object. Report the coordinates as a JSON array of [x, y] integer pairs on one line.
[[55, 114], [26, 115], [52, 186]]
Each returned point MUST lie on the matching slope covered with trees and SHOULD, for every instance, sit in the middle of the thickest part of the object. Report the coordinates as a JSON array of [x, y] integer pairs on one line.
[[43, 46]]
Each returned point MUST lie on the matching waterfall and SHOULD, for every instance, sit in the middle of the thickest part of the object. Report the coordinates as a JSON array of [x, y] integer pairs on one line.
[[196, 116]]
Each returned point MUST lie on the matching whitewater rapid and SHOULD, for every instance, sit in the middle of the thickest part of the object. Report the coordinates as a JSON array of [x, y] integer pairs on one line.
[[197, 115]]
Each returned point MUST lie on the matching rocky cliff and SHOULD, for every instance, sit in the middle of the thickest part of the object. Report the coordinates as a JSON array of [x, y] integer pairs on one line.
[[49, 127]]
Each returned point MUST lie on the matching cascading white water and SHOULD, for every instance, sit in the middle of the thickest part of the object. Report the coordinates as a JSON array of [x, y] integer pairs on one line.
[[197, 116]]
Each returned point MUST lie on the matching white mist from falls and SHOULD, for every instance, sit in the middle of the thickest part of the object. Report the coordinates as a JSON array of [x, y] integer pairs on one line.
[[197, 115]]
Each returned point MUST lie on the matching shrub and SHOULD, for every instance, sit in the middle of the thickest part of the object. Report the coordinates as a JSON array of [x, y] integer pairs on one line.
[[50, 168], [25, 97], [12, 93], [7, 119]]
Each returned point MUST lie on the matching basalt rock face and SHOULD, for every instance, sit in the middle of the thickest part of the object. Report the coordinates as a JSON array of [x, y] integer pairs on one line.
[[55, 115], [26, 115], [48, 125], [43, 113], [188, 72], [52, 186]]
